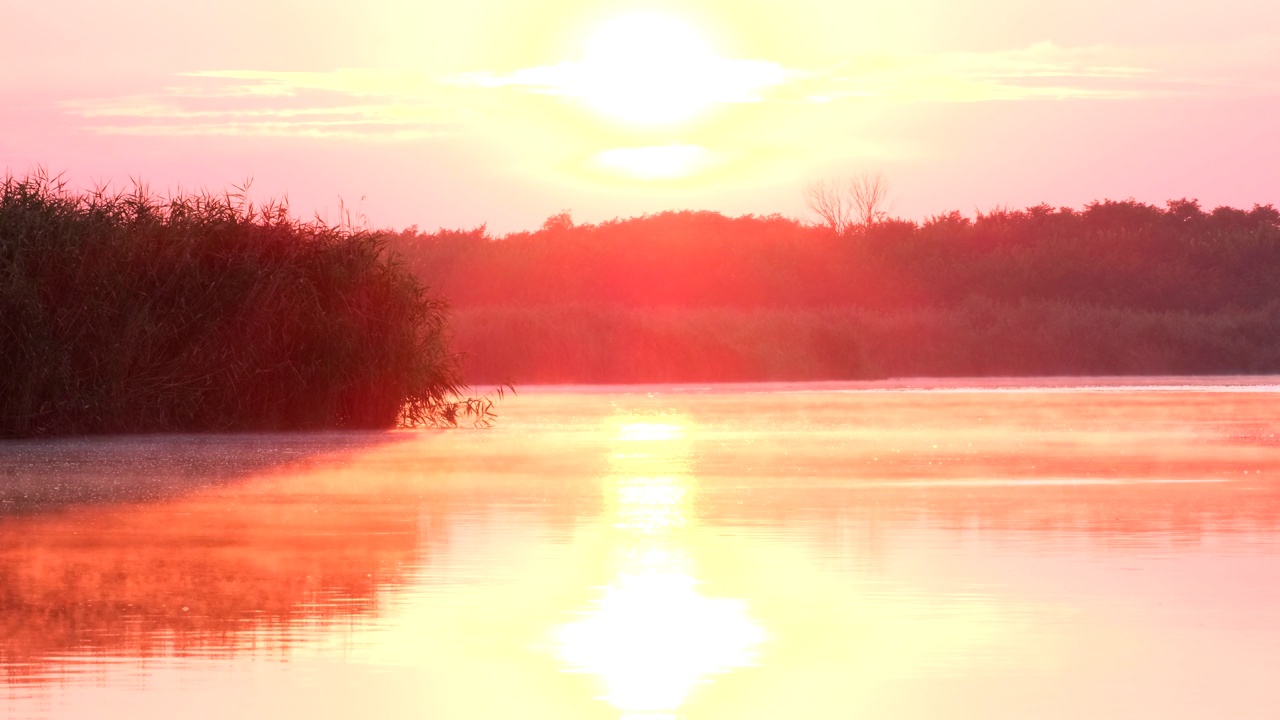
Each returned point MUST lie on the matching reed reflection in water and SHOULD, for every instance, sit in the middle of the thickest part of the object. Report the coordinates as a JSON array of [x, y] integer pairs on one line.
[[979, 552]]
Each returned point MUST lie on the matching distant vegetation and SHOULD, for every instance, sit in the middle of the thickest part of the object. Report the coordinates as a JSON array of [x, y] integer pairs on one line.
[[1113, 288], [128, 312], [131, 313]]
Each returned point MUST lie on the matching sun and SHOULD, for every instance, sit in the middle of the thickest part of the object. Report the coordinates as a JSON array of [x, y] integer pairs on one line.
[[651, 68]]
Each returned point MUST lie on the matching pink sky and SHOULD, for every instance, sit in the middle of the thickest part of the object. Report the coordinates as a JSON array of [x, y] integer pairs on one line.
[[499, 112]]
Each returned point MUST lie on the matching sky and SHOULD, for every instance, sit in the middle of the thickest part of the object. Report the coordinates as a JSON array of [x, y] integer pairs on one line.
[[496, 112]]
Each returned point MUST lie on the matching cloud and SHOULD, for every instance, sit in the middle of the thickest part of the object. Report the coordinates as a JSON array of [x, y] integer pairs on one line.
[[719, 80], [1041, 71], [396, 105], [1045, 71], [352, 104]]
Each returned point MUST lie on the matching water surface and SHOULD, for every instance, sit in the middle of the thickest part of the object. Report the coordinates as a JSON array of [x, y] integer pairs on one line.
[[956, 550]]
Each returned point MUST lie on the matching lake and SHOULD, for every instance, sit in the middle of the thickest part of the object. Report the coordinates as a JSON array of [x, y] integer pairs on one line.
[[960, 549]]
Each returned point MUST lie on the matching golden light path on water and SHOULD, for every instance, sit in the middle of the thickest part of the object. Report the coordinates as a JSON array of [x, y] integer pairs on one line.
[[971, 553], [653, 636]]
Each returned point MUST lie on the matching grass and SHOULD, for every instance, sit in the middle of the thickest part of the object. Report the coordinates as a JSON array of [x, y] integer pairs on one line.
[[129, 312]]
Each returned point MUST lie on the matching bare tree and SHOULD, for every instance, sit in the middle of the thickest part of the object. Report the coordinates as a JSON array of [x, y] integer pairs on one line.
[[870, 195], [829, 200], [860, 201]]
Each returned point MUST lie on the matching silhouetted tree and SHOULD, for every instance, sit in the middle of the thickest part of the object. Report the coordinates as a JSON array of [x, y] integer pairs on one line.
[[870, 195], [829, 200], [859, 201], [559, 222]]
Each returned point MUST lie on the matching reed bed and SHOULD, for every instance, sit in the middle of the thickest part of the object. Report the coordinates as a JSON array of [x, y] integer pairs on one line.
[[129, 312]]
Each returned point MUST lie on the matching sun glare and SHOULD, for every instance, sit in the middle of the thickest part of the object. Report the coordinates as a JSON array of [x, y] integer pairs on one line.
[[653, 637], [650, 68], [658, 162]]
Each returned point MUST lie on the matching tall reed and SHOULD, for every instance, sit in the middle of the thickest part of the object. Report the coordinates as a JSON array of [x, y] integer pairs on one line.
[[128, 312]]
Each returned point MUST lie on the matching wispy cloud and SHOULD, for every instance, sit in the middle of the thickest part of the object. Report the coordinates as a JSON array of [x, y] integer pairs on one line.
[[351, 104], [720, 80], [393, 105], [1045, 71], [1036, 72], [1041, 71]]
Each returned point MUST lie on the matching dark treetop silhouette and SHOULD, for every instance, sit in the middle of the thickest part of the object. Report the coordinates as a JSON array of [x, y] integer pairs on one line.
[[1118, 287]]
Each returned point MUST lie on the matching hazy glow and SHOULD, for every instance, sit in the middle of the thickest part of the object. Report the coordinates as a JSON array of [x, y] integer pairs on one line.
[[653, 637], [649, 432], [438, 115], [658, 162]]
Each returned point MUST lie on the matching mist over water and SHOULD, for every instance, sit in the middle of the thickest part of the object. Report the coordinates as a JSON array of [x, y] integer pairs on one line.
[[959, 549]]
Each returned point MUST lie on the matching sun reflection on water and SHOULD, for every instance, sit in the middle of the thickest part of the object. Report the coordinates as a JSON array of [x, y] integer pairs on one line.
[[651, 637]]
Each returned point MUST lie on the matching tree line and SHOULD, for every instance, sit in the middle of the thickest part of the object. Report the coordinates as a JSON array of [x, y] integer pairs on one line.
[[1110, 253], [1113, 287]]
